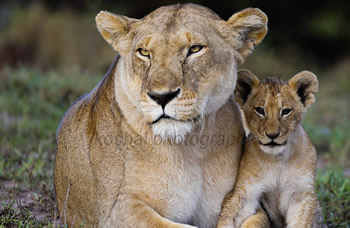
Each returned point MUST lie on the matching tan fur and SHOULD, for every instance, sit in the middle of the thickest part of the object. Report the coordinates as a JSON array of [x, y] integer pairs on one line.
[[258, 220], [125, 167], [280, 177]]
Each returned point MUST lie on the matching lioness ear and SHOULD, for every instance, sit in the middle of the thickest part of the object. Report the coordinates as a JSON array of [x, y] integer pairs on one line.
[[305, 84], [246, 81], [115, 30], [244, 30]]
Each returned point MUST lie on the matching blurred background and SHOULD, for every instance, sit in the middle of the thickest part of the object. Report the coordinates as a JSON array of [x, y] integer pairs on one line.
[[51, 53]]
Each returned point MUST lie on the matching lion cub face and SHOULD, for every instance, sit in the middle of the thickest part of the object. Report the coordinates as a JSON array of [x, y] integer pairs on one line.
[[273, 108], [179, 62]]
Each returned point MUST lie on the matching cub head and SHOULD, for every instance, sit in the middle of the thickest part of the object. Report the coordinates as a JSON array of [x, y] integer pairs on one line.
[[273, 108], [179, 62]]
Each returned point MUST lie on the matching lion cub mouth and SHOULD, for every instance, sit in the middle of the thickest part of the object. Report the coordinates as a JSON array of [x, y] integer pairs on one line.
[[273, 148], [272, 144]]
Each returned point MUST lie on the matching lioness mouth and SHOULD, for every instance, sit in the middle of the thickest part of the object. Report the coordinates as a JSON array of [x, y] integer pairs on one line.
[[164, 116]]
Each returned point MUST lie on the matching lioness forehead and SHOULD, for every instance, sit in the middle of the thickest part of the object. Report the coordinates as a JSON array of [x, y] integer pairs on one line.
[[181, 11], [178, 16], [176, 25]]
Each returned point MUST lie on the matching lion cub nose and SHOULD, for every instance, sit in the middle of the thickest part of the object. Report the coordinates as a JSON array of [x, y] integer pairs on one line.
[[273, 135], [163, 98]]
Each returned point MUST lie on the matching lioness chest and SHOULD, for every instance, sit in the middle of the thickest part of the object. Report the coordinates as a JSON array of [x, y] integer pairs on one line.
[[177, 184]]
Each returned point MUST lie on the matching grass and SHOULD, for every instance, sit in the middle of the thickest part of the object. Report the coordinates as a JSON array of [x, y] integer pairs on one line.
[[333, 190], [11, 216], [31, 106], [32, 103]]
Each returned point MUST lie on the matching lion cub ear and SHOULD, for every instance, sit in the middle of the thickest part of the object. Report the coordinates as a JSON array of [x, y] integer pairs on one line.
[[246, 82], [115, 30], [244, 30], [305, 84]]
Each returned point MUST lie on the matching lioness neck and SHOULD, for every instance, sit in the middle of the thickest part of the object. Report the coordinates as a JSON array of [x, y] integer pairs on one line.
[[129, 111]]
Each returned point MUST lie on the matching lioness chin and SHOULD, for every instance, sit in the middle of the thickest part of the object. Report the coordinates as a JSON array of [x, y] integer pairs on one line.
[[173, 78], [279, 161]]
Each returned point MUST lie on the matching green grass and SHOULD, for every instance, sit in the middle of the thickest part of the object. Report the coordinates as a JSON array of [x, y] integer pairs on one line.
[[32, 103], [11, 216], [31, 106], [333, 190]]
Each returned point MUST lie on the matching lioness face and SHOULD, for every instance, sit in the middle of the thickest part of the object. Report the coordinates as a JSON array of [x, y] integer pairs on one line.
[[183, 72], [180, 61], [273, 107]]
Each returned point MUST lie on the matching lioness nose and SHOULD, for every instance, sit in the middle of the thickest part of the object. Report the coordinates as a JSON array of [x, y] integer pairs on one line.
[[273, 135], [163, 98]]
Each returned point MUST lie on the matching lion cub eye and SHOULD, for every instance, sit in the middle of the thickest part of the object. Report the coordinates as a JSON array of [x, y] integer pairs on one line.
[[286, 111], [195, 49], [143, 52], [260, 111]]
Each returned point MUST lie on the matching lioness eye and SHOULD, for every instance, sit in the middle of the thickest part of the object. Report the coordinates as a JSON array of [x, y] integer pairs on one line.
[[143, 52], [286, 111], [195, 49], [260, 111]]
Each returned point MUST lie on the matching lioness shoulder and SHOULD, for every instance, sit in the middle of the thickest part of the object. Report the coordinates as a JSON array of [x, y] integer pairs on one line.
[[278, 165]]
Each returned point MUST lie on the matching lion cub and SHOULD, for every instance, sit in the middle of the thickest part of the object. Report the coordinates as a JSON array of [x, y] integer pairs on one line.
[[277, 170]]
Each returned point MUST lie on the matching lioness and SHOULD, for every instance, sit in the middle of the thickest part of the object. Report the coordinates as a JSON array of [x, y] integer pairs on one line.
[[279, 161], [128, 153]]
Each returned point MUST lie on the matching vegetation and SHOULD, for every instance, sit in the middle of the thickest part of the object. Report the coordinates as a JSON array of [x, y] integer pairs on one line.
[[31, 106], [333, 190]]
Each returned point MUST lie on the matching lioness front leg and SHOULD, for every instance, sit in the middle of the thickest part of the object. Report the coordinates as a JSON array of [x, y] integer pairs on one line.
[[130, 211], [304, 211]]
